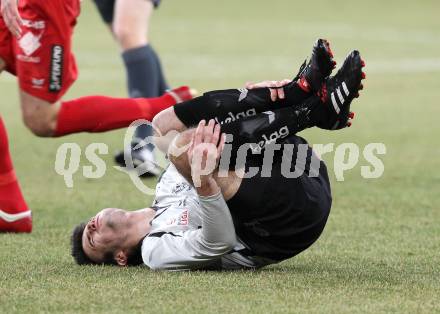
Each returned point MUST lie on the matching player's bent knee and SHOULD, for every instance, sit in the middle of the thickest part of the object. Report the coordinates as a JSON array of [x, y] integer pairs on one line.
[[159, 124], [131, 21], [41, 128], [166, 121], [127, 38], [177, 152], [38, 115]]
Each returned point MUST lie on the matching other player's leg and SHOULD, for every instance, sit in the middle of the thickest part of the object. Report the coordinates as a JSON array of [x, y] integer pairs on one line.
[[15, 215], [46, 71], [130, 25], [145, 77], [92, 113]]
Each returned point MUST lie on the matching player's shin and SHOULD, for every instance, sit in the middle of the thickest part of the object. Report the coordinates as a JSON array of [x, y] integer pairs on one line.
[[14, 213], [271, 126], [225, 106]]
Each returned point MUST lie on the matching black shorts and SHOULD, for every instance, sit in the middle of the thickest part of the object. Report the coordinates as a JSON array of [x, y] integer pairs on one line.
[[279, 217], [106, 8]]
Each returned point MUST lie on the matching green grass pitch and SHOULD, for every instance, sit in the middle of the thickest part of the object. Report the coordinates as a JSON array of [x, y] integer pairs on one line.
[[380, 251]]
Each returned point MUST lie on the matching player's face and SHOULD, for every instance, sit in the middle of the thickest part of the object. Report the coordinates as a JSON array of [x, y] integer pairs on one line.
[[105, 232]]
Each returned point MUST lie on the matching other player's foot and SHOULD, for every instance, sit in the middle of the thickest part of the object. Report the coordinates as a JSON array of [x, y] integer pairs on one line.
[[313, 74], [338, 92], [142, 161], [20, 222], [141, 158]]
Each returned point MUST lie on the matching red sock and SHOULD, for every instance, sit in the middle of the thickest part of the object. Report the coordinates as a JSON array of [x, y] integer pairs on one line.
[[14, 213], [100, 113]]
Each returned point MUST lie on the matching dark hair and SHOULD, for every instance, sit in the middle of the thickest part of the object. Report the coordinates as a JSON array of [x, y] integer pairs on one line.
[[134, 258], [77, 252]]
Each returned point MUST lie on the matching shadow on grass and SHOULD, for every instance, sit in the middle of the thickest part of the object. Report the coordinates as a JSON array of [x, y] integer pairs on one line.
[[320, 270]]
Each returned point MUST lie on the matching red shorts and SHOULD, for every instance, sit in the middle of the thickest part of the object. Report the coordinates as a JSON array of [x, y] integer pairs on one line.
[[42, 57]]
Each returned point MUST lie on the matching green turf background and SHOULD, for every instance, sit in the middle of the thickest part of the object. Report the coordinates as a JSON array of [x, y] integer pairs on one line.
[[380, 250]]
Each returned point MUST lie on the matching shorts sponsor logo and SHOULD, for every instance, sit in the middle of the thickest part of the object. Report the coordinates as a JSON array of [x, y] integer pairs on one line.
[[233, 117], [56, 68], [29, 43], [37, 83], [34, 24]]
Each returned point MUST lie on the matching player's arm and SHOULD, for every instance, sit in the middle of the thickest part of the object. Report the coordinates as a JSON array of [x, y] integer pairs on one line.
[[193, 249], [11, 16], [197, 248]]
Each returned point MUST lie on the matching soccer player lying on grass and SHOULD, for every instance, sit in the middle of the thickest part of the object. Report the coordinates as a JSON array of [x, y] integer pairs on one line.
[[222, 219], [35, 46]]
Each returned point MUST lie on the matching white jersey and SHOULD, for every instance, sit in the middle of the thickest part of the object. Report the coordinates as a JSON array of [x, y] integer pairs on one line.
[[192, 232]]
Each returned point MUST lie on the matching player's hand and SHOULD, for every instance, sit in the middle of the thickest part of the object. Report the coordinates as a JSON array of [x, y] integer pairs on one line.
[[204, 153], [9, 11], [275, 87]]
